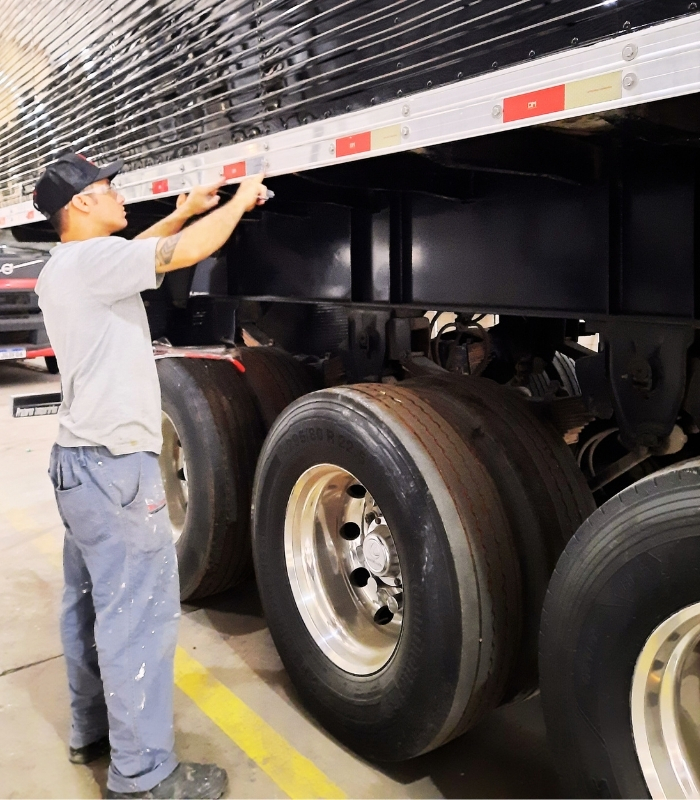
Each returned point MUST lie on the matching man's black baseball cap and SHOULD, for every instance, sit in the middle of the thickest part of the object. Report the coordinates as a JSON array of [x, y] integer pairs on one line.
[[65, 178]]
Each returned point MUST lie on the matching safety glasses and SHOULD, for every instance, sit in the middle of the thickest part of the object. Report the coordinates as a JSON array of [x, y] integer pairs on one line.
[[109, 189]]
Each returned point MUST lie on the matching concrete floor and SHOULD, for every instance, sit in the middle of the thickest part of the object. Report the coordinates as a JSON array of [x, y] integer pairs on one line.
[[505, 756]]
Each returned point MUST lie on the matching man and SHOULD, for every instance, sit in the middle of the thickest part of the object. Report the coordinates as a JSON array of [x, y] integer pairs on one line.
[[121, 598]]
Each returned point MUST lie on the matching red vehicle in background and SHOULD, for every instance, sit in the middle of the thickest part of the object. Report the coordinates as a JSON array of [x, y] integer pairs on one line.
[[22, 332]]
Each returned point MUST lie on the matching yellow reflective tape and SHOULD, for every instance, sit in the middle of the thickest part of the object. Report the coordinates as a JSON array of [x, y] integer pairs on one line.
[[293, 773]]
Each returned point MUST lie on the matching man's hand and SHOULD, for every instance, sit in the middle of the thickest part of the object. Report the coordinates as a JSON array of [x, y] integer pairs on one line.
[[205, 236], [251, 192], [200, 200]]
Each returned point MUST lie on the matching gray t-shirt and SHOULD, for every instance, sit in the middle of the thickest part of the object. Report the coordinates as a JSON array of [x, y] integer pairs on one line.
[[97, 326]]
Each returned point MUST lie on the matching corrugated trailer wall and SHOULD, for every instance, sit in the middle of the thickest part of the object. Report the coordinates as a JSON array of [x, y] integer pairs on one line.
[[152, 80]]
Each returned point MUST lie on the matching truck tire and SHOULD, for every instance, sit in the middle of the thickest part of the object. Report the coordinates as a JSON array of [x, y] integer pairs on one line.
[[276, 379], [527, 501], [212, 434], [567, 500], [371, 478], [619, 644]]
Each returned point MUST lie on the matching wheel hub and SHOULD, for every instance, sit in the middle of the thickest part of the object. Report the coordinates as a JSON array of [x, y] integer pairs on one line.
[[665, 704], [379, 553], [344, 569], [173, 470]]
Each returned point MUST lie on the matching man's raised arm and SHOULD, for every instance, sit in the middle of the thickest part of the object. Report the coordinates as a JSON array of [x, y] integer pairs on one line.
[[200, 200], [207, 235]]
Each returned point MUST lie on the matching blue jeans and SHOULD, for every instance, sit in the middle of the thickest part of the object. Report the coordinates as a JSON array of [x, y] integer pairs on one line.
[[120, 612]]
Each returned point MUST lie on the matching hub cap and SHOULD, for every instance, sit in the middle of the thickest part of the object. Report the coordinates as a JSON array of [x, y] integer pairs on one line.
[[343, 569], [173, 469], [665, 703]]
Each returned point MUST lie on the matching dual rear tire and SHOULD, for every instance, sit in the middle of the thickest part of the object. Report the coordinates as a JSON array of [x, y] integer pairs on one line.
[[360, 487], [214, 423]]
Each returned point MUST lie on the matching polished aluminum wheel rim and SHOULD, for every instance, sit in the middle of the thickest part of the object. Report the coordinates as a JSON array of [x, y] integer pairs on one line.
[[344, 569], [665, 703], [173, 470]]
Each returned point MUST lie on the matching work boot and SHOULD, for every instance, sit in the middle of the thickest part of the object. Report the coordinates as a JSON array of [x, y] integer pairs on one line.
[[195, 781], [90, 752]]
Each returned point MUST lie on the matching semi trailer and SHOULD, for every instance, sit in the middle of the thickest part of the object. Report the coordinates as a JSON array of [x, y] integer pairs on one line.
[[442, 393]]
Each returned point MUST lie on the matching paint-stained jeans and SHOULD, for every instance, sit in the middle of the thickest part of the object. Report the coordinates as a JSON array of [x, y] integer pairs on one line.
[[120, 609]]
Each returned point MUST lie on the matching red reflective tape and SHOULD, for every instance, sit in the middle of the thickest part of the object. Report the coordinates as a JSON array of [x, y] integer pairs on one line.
[[236, 170], [534, 104], [2, 220], [30, 215], [46, 352], [238, 365], [349, 145], [158, 187], [18, 283]]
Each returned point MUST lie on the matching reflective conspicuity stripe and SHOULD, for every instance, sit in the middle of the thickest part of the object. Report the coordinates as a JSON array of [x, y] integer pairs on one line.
[[160, 187], [389, 136], [351, 145], [533, 104], [237, 170], [565, 96], [293, 773], [651, 64]]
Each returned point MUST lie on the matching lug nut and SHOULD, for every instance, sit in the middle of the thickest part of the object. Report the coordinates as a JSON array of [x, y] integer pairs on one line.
[[392, 604], [359, 577], [350, 531]]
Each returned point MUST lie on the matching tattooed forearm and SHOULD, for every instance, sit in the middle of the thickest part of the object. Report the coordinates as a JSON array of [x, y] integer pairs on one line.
[[166, 249]]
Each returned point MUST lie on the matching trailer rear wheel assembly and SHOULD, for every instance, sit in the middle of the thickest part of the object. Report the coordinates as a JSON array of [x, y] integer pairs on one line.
[[537, 446], [212, 434], [620, 645], [520, 458], [276, 379], [386, 569]]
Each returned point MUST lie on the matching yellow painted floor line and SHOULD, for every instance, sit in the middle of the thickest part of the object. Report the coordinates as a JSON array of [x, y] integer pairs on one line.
[[293, 773]]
